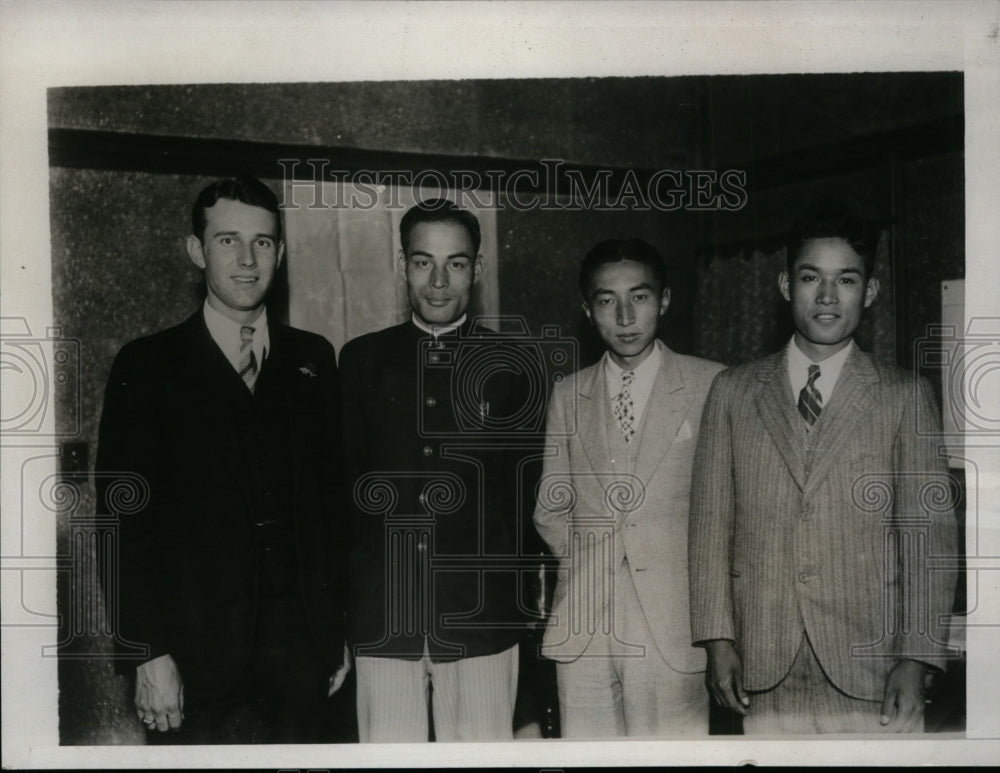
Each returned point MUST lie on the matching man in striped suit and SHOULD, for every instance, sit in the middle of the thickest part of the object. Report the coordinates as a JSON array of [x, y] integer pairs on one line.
[[816, 516]]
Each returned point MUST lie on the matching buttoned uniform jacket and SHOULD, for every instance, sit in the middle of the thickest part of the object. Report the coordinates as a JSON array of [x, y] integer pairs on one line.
[[187, 547], [434, 495], [846, 533], [593, 515]]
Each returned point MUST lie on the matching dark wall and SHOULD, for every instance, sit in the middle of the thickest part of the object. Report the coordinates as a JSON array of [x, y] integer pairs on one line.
[[650, 122]]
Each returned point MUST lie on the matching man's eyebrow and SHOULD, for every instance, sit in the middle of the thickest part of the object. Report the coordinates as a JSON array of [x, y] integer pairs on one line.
[[236, 233], [425, 254], [641, 286], [811, 267]]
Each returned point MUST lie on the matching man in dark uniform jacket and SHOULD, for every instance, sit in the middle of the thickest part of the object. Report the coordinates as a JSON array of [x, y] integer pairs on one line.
[[232, 571], [434, 591]]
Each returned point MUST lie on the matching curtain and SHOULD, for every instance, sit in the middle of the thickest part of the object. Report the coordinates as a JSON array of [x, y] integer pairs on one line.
[[341, 252], [741, 316]]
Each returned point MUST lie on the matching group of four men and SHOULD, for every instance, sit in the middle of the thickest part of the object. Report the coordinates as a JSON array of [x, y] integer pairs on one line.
[[254, 594]]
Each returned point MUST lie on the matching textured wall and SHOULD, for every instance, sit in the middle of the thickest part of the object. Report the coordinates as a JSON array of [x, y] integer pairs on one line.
[[615, 121]]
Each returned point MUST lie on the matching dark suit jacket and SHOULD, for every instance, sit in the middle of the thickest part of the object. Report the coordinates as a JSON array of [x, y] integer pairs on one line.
[[187, 558], [434, 497], [847, 534]]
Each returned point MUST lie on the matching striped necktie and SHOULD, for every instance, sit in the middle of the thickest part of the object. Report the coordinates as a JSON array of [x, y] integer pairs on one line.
[[624, 407], [810, 400], [248, 361]]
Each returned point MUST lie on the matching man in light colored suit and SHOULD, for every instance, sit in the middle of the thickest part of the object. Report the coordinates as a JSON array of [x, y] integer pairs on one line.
[[613, 507], [822, 528]]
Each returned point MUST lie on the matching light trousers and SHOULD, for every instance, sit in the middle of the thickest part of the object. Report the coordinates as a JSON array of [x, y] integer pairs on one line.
[[621, 686], [471, 699]]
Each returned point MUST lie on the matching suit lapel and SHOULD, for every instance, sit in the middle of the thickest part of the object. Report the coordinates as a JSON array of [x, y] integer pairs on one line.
[[215, 384], [593, 395], [665, 410], [283, 384], [777, 410], [849, 407]]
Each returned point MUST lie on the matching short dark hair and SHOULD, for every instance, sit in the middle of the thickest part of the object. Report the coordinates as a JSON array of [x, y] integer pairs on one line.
[[833, 219], [615, 251], [244, 188], [439, 211]]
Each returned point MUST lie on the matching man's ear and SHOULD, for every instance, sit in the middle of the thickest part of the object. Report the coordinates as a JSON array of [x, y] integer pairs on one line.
[[401, 264], [477, 269], [664, 301], [586, 310], [871, 291], [783, 286], [195, 251]]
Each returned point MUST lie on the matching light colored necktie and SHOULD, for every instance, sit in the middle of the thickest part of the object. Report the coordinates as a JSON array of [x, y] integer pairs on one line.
[[810, 400], [248, 360], [624, 407]]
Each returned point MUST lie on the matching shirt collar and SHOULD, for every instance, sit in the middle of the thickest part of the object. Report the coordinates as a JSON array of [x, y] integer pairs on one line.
[[226, 334], [830, 368], [645, 371], [834, 362], [437, 330]]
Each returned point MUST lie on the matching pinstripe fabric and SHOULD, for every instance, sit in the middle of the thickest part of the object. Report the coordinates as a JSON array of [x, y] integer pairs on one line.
[[594, 511], [473, 698], [805, 702], [828, 533]]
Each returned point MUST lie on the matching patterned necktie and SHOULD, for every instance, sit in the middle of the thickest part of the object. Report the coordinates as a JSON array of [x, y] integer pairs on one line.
[[624, 407], [248, 360], [810, 400]]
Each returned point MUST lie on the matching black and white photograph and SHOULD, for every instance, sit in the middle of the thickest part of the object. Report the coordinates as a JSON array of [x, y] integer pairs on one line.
[[488, 384]]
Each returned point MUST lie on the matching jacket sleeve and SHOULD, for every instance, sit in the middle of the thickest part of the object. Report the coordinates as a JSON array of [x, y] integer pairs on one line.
[[125, 481], [556, 493], [924, 533], [712, 514]]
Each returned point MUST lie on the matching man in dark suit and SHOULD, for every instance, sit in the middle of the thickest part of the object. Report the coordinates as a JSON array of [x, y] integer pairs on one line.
[[434, 592], [233, 571], [817, 515]]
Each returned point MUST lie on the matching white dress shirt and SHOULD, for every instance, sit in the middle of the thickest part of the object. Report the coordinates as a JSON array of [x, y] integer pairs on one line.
[[226, 335], [829, 370], [642, 384]]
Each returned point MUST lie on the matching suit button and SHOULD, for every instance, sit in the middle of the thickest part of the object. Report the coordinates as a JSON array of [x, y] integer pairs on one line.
[[430, 402], [421, 547], [434, 358], [428, 450], [805, 515], [421, 499], [805, 576]]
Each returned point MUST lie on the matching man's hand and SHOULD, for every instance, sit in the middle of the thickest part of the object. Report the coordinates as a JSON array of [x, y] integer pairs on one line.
[[725, 676], [903, 705], [337, 680], [159, 694]]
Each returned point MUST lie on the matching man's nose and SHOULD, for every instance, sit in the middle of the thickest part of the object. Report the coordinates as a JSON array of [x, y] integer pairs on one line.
[[247, 258], [827, 292], [626, 314], [439, 276]]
